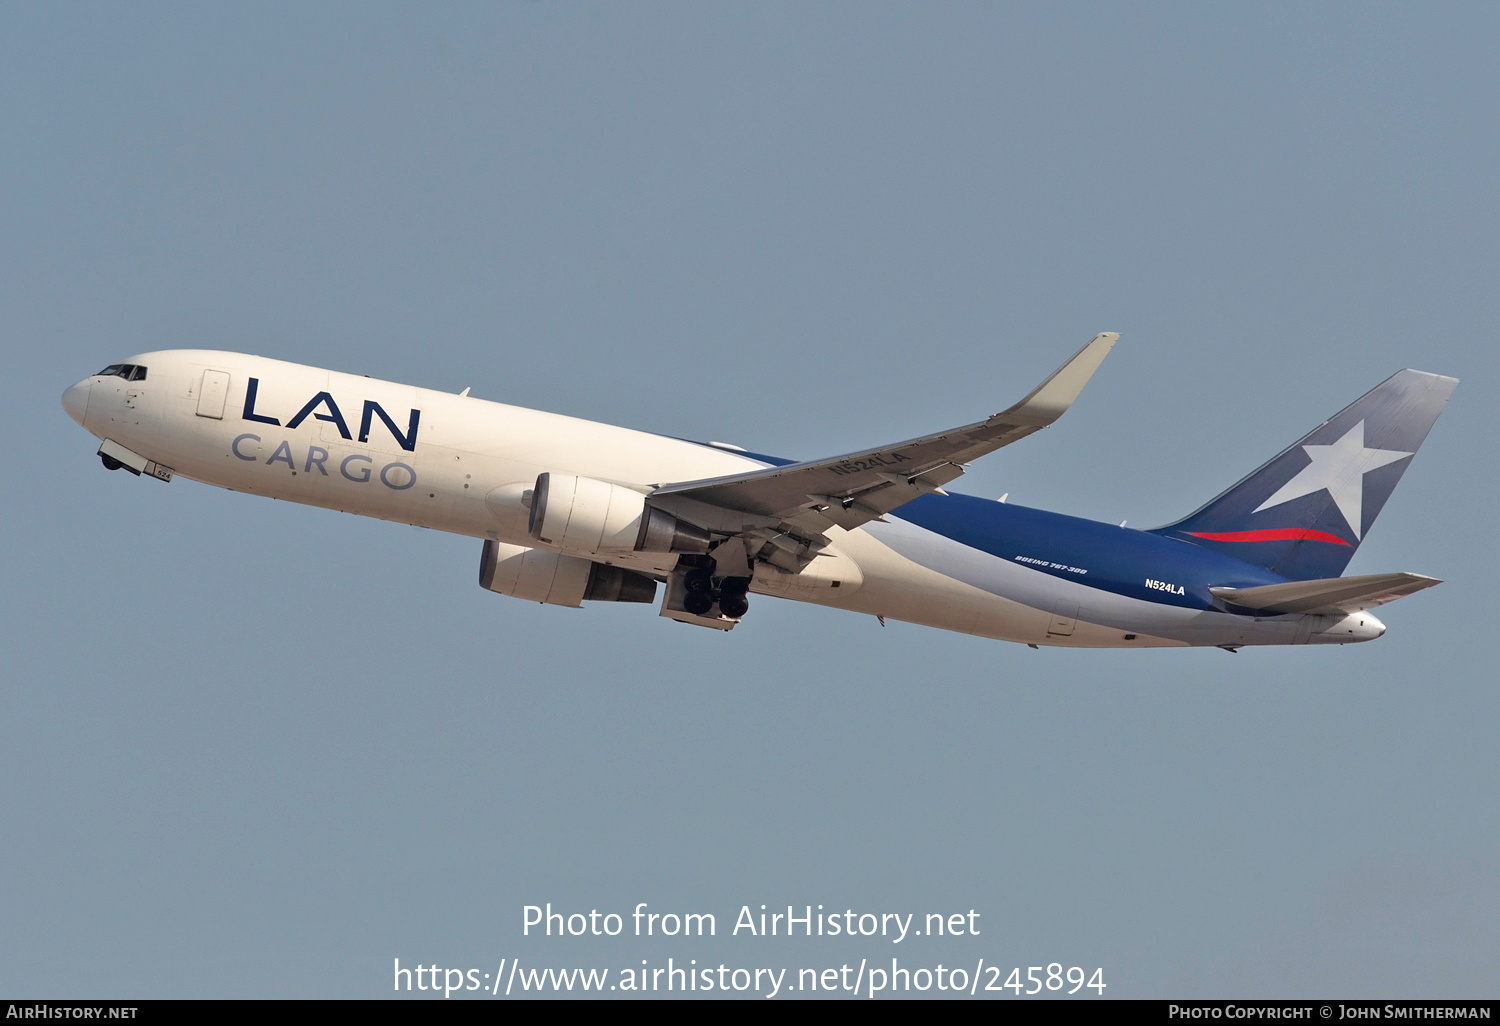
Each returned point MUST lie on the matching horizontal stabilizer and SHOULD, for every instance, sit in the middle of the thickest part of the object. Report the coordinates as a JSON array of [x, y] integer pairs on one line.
[[1330, 595]]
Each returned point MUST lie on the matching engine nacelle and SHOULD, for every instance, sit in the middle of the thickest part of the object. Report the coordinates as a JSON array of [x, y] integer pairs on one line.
[[581, 514], [662, 532], [537, 575]]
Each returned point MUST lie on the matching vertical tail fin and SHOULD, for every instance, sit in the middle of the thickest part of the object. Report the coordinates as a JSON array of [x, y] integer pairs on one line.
[[1304, 513]]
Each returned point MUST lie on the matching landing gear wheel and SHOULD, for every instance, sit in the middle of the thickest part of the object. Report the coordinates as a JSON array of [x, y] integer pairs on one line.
[[732, 600], [698, 602], [110, 463], [698, 586]]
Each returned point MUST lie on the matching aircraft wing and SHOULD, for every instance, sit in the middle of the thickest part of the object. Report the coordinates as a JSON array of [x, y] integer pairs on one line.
[[856, 488], [1329, 595]]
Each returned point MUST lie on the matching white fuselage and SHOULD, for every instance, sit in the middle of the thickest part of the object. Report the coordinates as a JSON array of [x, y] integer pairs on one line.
[[471, 462]]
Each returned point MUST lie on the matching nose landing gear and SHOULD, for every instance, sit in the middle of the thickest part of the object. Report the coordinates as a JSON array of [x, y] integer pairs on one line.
[[115, 456]]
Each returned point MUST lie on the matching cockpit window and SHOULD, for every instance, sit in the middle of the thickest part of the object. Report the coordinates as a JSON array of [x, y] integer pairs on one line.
[[128, 371]]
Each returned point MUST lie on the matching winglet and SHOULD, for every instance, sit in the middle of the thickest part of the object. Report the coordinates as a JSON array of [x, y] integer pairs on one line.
[[1052, 397]]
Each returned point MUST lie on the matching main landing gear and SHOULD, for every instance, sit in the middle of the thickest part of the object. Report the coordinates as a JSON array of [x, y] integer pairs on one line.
[[701, 596]]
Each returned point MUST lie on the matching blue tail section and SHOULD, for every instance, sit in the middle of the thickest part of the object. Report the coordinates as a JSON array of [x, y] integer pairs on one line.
[[1304, 513]]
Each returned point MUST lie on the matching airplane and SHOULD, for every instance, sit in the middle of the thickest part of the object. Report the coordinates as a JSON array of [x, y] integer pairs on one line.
[[572, 511]]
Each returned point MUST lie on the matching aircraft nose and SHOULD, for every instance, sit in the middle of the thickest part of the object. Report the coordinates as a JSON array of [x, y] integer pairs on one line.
[[76, 400]]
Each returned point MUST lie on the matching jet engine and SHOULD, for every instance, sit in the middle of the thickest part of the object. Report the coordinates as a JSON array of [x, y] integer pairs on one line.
[[581, 514], [537, 575]]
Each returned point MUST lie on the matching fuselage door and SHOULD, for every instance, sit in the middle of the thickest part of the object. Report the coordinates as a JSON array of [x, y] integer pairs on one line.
[[212, 393], [1064, 618]]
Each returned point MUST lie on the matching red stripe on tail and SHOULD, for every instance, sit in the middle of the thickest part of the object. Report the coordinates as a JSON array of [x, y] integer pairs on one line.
[[1276, 534]]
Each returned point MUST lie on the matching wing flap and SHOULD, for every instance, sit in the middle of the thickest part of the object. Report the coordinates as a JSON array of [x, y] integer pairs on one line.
[[1328, 595], [854, 489]]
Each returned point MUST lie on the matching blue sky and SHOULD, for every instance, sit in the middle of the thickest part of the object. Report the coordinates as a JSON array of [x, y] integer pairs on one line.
[[253, 749]]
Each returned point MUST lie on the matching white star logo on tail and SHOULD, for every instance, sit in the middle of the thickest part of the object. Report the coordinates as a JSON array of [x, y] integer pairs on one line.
[[1341, 469]]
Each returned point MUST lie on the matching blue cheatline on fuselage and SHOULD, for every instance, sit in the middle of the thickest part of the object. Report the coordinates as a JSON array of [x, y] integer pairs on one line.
[[1113, 559]]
